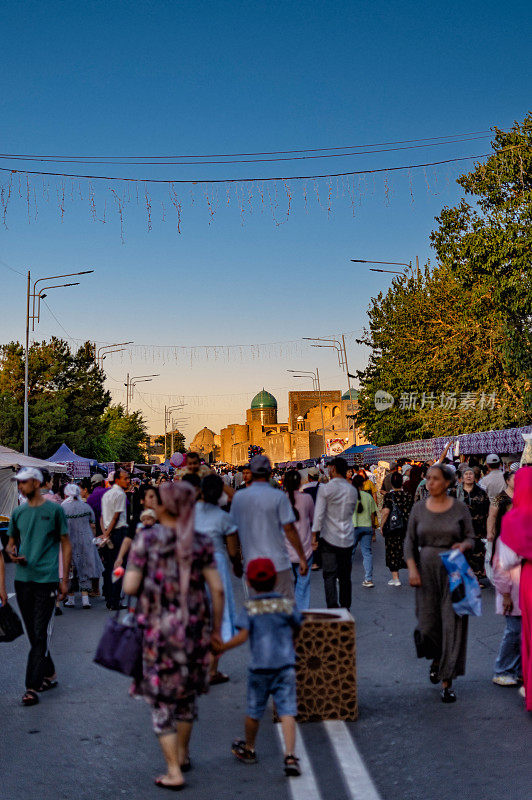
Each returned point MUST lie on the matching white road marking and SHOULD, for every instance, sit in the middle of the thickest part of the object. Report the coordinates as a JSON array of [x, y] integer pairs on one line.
[[304, 787], [357, 779]]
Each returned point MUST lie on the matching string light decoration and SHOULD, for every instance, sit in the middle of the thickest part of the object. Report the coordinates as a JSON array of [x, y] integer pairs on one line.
[[103, 193]]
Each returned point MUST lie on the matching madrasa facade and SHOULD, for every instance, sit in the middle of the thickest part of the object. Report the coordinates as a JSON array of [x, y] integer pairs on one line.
[[303, 436]]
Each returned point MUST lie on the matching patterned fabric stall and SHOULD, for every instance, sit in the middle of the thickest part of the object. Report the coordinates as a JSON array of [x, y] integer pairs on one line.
[[505, 442]]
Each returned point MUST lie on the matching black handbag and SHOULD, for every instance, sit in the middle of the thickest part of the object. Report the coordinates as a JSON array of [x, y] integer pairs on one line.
[[10, 624], [120, 647]]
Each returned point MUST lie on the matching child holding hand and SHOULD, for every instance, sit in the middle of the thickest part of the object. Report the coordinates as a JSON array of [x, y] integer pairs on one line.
[[269, 621]]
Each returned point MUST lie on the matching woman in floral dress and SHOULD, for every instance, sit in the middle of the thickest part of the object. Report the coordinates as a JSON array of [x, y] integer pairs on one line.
[[396, 508], [170, 567]]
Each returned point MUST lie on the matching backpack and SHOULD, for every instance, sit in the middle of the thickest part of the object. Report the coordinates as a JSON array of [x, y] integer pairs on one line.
[[396, 522]]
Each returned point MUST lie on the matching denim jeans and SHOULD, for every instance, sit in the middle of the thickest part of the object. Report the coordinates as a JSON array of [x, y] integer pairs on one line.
[[364, 536], [509, 657], [302, 585]]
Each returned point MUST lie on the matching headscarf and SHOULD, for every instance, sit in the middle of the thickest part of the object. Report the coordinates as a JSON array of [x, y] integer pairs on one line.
[[178, 499], [414, 479], [516, 528], [72, 492]]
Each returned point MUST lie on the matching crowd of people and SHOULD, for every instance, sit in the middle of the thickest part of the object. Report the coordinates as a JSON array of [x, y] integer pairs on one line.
[[184, 538]]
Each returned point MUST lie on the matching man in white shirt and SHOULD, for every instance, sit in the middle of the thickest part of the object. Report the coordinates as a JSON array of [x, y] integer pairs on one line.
[[493, 483], [114, 528], [333, 522], [265, 520]]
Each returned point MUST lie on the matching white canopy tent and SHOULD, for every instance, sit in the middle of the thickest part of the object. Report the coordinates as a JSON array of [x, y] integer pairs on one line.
[[10, 461]]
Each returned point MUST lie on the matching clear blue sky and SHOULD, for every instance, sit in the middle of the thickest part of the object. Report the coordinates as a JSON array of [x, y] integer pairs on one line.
[[129, 78]]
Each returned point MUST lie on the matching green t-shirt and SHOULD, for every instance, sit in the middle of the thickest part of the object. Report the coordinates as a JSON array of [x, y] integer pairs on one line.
[[363, 519], [39, 530]]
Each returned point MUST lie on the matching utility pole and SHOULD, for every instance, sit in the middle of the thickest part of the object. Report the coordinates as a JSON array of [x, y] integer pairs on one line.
[[321, 409], [350, 390], [36, 315], [165, 424], [26, 367], [127, 394]]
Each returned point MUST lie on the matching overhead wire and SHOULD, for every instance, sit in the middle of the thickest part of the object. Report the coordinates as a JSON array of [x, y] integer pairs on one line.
[[194, 181], [264, 153], [54, 316], [92, 161], [7, 266]]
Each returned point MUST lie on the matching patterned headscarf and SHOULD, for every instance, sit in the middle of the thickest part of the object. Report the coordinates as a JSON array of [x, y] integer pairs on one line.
[[178, 499]]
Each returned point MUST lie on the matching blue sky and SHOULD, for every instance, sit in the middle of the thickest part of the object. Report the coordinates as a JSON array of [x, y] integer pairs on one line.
[[130, 78]]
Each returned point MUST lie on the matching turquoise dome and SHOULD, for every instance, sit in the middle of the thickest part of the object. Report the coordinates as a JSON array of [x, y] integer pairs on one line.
[[352, 395], [263, 400]]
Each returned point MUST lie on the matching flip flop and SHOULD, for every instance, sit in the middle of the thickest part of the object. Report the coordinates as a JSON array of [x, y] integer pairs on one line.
[[30, 698], [219, 677], [171, 786], [47, 684]]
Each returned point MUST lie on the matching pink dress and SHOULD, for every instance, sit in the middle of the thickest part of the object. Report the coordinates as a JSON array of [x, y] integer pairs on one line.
[[525, 603], [305, 506]]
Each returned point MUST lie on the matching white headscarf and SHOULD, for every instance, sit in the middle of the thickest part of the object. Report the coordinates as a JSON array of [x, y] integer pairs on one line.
[[72, 492]]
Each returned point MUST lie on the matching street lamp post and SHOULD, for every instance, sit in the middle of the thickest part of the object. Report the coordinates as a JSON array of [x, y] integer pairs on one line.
[[388, 263], [36, 298], [315, 382], [341, 351], [132, 382], [167, 411], [101, 354], [174, 422]]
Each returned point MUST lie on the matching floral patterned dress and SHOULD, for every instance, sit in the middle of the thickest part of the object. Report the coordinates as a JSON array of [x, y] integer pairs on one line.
[[394, 540], [176, 657]]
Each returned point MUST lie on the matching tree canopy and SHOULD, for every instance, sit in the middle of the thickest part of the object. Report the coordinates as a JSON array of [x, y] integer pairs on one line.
[[452, 344], [67, 402]]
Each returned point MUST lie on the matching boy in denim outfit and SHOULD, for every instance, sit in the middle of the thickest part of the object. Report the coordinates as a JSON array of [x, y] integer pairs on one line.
[[269, 621]]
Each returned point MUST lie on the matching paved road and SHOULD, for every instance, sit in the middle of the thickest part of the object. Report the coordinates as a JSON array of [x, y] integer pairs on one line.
[[88, 741]]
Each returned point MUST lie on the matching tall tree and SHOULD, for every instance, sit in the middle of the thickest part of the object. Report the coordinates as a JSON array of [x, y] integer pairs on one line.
[[66, 398], [452, 344]]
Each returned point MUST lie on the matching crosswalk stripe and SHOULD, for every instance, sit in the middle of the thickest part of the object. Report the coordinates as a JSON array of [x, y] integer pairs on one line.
[[357, 778], [303, 787]]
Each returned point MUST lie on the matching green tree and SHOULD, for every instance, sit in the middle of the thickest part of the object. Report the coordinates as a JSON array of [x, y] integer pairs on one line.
[[66, 397], [463, 327], [124, 436]]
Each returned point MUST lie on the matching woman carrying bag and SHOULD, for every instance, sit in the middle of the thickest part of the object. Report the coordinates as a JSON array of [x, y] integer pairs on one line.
[[437, 524], [169, 568]]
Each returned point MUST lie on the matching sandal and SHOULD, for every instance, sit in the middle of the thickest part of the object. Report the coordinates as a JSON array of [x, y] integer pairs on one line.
[[448, 695], [243, 752], [173, 787], [434, 674], [219, 677], [47, 684], [31, 698], [291, 766]]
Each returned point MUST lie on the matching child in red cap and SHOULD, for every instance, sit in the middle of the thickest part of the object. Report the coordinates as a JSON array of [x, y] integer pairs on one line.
[[269, 621]]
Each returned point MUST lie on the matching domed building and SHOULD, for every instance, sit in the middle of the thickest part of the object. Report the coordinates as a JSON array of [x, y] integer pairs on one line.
[[312, 429], [352, 395], [263, 409], [207, 444]]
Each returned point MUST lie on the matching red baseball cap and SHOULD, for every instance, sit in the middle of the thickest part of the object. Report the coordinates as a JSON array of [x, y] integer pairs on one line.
[[261, 570]]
